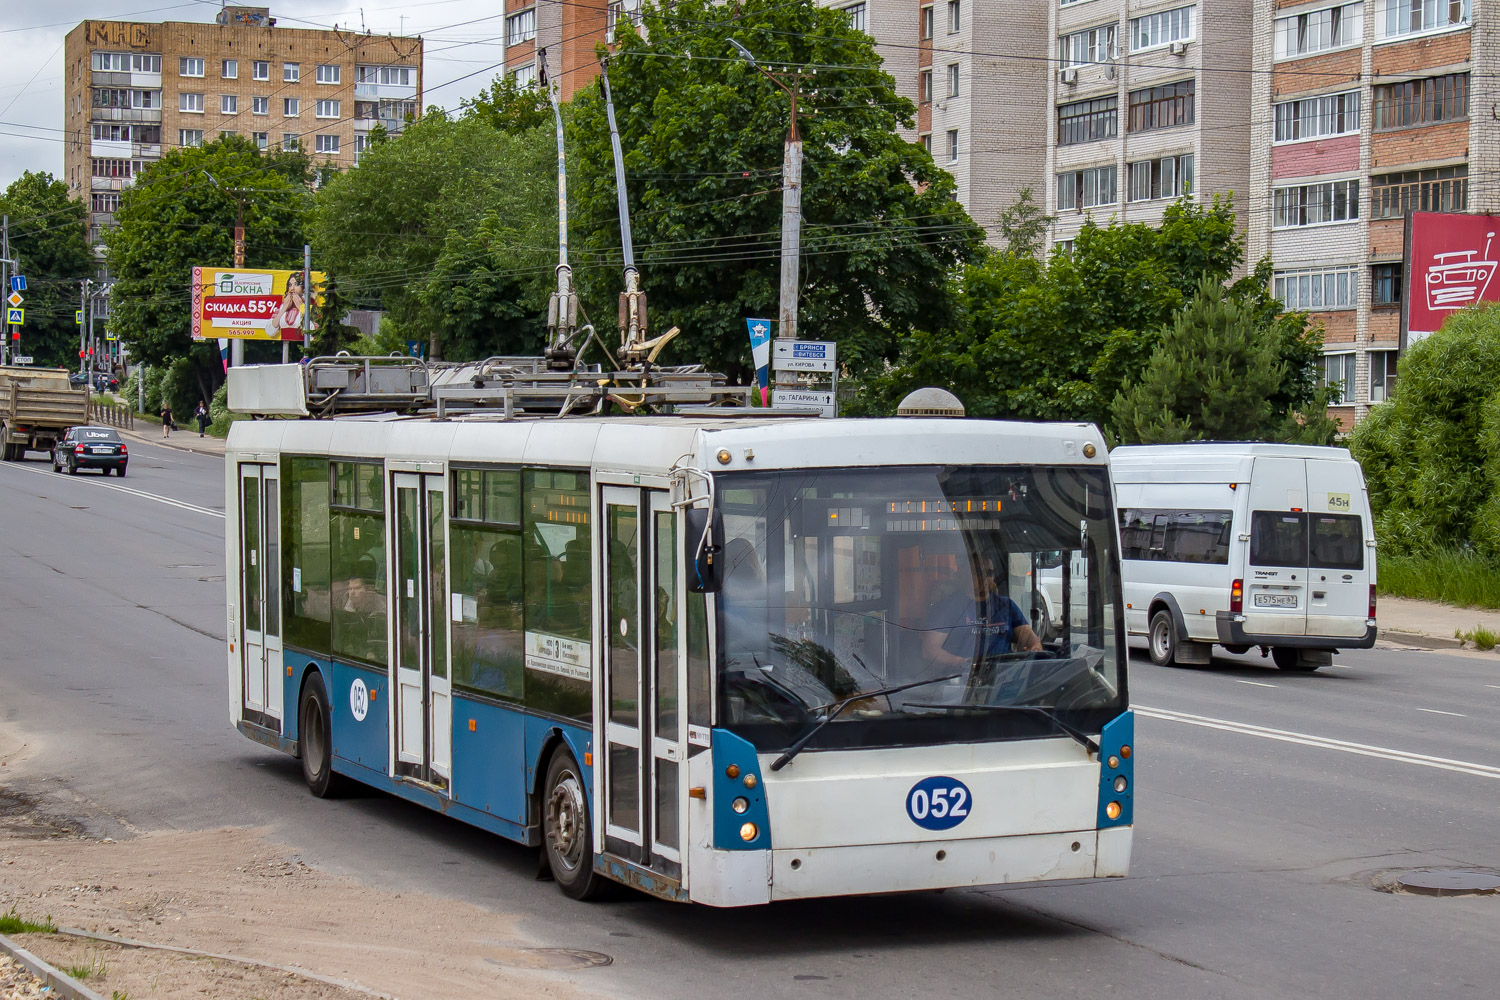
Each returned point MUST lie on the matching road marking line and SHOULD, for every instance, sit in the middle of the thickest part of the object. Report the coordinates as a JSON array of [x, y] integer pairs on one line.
[[1323, 742], [1495, 686], [183, 504], [1259, 684], [1435, 711]]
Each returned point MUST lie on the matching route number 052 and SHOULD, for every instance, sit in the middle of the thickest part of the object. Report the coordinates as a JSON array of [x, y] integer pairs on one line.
[[939, 803]]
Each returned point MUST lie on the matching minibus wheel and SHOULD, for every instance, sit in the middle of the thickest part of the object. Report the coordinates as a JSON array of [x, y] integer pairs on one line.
[[1163, 639], [567, 835]]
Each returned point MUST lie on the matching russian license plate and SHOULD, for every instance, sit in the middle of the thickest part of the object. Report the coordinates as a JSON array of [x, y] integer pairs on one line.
[[99, 451], [1275, 600]]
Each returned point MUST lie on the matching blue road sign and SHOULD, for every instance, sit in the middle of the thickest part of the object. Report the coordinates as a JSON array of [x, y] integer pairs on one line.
[[18, 283]]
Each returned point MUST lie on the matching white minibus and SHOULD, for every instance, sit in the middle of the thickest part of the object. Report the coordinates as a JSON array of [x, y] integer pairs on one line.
[[1245, 545]]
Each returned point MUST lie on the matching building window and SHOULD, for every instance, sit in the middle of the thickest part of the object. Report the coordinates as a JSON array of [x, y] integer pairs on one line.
[[1314, 289], [953, 79], [953, 145], [955, 19], [291, 72], [189, 66], [291, 107], [1422, 102], [260, 105], [1080, 189], [1382, 375], [1162, 28], [329, 73], [111, 97], [189, 137], [1318, 117], [126, 62], [525, 76], [289, 142], [398, 76], [1315, 204], [1168, 177], [856, 14], [191, 103], [520, 27], [1162, 107], [628, 9], [1092, 45], [260, 139], [325, 143], [260, 70], [1062, 247], [1338, 371], [927, 21], [927, 142], [926, 86], [106, 201], [326, 109], [1443, 189], [227, 131], [1086, 121], [1319, 31], [1394, 18], [229, 104], [229, 69], [1385, 284]]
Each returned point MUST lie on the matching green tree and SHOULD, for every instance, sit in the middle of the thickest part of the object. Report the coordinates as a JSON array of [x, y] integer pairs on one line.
[[49, 235], [1431, 453], [703, 137], [1024, 225], [416, 229], [174, 219], [506, 107], [1214, 375]]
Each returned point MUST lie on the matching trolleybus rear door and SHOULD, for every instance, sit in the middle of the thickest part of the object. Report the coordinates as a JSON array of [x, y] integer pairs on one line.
[[643, 729], [260, 594], [424, 704]]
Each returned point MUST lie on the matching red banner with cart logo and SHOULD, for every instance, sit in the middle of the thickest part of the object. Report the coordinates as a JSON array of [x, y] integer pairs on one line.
[[1450, 264]]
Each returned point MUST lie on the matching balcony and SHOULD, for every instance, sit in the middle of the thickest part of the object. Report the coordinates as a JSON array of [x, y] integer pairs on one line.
[[148, 115], [383, 92], [116, 149]]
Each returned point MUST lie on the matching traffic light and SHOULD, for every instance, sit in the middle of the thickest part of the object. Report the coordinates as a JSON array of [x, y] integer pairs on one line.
[[80, 352]]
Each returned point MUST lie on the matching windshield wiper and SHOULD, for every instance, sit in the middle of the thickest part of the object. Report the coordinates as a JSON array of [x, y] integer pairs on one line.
[[839, 706], [1083, 738]]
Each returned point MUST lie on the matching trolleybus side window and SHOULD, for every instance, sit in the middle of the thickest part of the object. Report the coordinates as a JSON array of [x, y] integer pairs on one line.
[[357, 526], [1192, 536], [699, 669], [1278, 538], [306, 559], [558, 592], [488, 634]]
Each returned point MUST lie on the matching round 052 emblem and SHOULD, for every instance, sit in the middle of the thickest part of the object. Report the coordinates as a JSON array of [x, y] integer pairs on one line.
[[359, 700], [939, 803]]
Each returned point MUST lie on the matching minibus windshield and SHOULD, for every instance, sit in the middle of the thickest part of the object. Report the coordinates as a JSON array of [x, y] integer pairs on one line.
[[974, 589]]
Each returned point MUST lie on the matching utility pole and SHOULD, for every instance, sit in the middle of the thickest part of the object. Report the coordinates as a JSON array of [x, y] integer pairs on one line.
[[791, 198], [236, 346], [5, 283], [307, 300], [83, 309]]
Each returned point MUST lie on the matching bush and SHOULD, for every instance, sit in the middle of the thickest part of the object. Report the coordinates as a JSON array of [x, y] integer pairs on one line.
[[1452, 576]]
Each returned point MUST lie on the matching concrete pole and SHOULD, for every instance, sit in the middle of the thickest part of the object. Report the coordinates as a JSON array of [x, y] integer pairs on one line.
[[83, 329], [307, 300], [5, 284], [791, 237], [236, 345]]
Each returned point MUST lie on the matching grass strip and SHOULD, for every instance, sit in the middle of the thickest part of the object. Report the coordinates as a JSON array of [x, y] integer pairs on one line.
[[1447, 575]]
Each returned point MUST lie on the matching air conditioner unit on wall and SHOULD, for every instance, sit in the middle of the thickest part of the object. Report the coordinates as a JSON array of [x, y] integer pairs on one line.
[[1177, 48], [1068, 76]]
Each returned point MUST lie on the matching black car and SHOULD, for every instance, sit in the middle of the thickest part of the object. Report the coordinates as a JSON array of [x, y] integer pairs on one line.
[[90, 448]]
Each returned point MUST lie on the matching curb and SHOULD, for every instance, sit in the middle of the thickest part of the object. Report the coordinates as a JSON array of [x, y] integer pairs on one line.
[[65, 985], [167, 442], [1420, 639]]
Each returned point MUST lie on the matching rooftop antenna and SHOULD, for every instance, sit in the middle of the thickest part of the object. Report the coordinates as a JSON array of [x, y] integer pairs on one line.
[[562, 307], [632, 299]]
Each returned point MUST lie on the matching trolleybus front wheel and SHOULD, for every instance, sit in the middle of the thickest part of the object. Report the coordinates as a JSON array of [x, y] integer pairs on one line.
[[566, 834], [315, 736]]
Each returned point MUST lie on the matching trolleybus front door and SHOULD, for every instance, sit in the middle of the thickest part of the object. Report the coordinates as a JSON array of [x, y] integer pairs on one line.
[[260, 594], [644, 729], [424, 704]]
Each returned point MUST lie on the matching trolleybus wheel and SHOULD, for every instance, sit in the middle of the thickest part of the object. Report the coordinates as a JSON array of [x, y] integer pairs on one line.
[[1163, 640], [1288, 658], [315, 736], [566, 834]]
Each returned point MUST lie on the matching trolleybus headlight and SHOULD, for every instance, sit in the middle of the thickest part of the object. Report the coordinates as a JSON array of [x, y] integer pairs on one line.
[[1125, 752], [1114, 761], [751, 781], [1121, 784], [739, 805], [1112, 811], [750, 831]]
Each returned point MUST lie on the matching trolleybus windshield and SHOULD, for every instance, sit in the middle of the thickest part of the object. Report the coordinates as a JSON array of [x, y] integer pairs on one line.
[[998, 585]]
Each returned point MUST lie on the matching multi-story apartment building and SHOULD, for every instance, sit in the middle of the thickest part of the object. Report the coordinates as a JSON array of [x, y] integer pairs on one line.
[[1363, 116], [567, 31], [134, 90]]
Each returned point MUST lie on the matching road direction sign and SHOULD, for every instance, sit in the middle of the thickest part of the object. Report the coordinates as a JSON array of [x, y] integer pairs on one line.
[[15, 316], [15, 299], [804, 355], [798, 399], [22, 359], [18, 283]]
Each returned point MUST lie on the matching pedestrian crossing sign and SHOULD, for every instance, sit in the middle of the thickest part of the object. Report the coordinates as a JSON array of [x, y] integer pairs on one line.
[[15, 315]]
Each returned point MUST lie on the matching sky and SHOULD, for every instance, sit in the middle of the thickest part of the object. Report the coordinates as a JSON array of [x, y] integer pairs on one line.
[[462, 37]]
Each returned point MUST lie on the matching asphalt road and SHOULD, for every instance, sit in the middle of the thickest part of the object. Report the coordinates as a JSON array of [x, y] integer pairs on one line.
[[1268, 805]]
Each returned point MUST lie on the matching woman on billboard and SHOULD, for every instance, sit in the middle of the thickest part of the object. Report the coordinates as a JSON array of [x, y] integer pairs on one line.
[[289, 315]]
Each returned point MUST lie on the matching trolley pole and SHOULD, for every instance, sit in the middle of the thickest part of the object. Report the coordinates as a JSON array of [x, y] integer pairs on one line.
[[562, 308]]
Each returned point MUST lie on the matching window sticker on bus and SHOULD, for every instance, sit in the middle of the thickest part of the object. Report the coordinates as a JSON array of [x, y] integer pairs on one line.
[[296, 579], [552, 654], [359, 700]]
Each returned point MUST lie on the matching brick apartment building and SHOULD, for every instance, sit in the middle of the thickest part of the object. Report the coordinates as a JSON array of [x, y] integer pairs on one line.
[[1363, 115], [568, 32], [133, 90]]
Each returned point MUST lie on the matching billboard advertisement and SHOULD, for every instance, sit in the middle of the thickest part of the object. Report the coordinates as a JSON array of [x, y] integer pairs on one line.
[[1450, 264], [250, 304]]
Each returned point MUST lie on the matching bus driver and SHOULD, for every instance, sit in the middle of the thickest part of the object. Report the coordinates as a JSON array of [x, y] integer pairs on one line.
[[971, 619]]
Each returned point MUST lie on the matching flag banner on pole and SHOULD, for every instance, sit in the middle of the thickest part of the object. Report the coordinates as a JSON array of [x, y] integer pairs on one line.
[[760, 353]]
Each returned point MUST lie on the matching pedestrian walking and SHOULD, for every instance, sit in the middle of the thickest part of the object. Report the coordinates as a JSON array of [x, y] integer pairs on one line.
[[201, 415], [167, 425]]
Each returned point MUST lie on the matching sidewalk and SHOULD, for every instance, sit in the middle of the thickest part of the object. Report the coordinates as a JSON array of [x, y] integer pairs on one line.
[[183, 440], [1427, 623]]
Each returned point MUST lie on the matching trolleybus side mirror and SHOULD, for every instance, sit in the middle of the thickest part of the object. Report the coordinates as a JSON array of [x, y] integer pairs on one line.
[[703, 544]]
